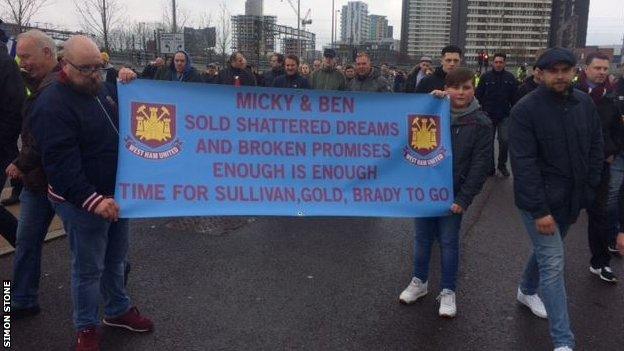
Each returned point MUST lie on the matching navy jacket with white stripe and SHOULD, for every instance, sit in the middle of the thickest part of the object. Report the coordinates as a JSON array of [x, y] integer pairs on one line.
[[77, 135]]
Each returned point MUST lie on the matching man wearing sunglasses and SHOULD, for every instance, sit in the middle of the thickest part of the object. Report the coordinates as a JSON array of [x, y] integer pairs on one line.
[[75, 125]]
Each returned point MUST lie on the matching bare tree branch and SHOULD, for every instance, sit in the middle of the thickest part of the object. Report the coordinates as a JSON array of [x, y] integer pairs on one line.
[[224, 29], [99, 17], [22, 11], [183, 16], [204, 20]]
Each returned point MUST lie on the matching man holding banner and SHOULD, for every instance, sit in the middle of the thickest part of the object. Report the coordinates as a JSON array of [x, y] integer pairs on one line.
[[75, 124], [472, 144]]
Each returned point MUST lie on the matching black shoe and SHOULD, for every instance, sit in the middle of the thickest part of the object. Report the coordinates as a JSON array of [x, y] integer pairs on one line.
[[19, 313], [492, 173], [604, 273], [10, 201], [504, 172]]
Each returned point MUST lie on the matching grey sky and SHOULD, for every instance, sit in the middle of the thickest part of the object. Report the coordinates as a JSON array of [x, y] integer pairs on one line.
[[606, 22]]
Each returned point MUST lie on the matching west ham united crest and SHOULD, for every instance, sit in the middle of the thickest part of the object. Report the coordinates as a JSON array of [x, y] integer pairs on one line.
[[424, 141], [153, 128]]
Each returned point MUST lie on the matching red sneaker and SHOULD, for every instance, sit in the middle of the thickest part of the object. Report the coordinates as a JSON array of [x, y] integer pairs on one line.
[[88, 340], [131, 320]]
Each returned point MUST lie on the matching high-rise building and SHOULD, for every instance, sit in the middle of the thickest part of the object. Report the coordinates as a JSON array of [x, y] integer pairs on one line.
[[254, 8], [354, 23], [425, 27], [390, 32], [251, 37], [378, 28], [518, 28], [569, 23]]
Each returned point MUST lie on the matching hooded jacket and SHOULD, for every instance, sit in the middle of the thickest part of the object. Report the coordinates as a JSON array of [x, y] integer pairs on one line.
[[471, 140], [556, 148], [436, 81], [372, 83], [496, 93], [328, 79], [169, 73]]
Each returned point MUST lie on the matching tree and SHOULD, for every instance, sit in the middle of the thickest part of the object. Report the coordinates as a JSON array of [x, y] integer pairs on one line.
[[99, 17], [22, 11], [224, 30], [183, 16]]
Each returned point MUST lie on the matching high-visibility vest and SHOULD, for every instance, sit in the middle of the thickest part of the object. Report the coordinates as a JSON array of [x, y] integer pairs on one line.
[[17, 60]]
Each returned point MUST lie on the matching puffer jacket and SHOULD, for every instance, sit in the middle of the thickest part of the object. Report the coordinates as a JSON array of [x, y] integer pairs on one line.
[[556, 148]]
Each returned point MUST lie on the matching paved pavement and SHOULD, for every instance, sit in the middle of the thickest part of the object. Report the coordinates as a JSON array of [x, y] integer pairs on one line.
[[329, 284]]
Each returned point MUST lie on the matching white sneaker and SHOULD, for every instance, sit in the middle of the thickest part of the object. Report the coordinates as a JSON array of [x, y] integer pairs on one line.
[[415, 290], [534, 303], [563, 348], [448, 308]]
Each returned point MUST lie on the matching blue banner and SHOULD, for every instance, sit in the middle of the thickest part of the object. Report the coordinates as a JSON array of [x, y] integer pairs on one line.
[[197, 149]]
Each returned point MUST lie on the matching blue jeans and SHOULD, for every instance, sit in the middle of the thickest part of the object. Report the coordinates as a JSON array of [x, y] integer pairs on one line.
[[616, 176], [545, 271], [446, 230], [98, 255], [36, 214]]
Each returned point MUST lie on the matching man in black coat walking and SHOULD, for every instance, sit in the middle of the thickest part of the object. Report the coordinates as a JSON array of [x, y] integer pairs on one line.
[[496, 92], [556, 146]]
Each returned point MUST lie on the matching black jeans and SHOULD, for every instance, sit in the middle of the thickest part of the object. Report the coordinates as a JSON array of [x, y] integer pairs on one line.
[[500, 126], [599, 227]]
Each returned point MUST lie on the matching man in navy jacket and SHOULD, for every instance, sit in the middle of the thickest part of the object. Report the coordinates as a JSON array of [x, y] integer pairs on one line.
[[496, 92], [75, 125], [556, 146]]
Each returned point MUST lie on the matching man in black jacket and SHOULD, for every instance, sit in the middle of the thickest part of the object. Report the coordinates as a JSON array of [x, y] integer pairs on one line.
[[496, 92], [603, 219], [277, 69], [417, 74], [75, 126], [530, 83], [12, 95], [556, 151], [451, 59], [237, 73], [292, 79], [180, 70]]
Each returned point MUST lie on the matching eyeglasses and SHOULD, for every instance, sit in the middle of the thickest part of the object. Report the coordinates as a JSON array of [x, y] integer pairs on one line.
[[88, 70]]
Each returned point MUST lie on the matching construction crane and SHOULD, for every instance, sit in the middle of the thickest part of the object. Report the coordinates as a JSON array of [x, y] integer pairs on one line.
[[300, 22], [306, 20]]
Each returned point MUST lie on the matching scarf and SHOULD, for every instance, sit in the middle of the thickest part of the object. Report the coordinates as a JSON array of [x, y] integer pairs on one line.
[[596, 93]]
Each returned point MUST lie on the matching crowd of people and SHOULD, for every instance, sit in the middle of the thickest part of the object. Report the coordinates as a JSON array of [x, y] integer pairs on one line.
[[565, 139]]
